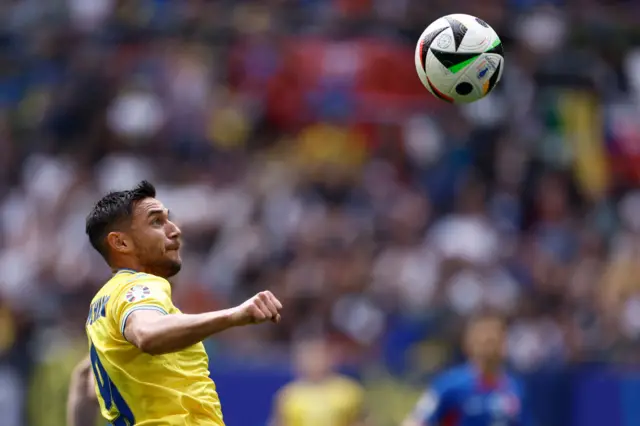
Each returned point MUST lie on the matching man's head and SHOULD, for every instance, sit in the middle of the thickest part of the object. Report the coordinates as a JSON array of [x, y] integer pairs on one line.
[[131, 229], [484, 340], [313, 359]]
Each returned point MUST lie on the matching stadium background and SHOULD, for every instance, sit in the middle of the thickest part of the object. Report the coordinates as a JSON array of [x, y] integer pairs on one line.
[[296, 148]]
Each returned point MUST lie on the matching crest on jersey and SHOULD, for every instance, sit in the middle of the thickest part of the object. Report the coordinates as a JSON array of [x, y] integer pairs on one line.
[[137, 292], [506, 404]]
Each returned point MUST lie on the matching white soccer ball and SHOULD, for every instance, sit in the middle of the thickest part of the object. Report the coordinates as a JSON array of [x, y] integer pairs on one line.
[[459, 58]]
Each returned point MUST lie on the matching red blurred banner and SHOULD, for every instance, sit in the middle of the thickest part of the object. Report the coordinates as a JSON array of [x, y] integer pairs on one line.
[[376, 77]]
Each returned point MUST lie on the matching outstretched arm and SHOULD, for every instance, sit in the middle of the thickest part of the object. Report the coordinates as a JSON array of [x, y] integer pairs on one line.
[[155, 333]]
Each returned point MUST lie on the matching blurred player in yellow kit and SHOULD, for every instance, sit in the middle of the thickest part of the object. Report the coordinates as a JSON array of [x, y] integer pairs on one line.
[[149, 364], [319, 396]]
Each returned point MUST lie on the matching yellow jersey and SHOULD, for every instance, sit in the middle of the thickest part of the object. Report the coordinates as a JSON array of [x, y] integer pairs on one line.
[[135, 388], [335, 401]]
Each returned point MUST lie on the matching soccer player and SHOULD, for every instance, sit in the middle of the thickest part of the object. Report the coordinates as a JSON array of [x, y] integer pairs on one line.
[[479, 393], [149, 364], [319, 396]]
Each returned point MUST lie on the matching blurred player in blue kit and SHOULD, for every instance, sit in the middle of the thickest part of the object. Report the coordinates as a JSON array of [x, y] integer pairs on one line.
[[478, 393]]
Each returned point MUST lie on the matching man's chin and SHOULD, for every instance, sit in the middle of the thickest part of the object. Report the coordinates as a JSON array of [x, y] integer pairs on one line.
[[169, 267], [174, 268]]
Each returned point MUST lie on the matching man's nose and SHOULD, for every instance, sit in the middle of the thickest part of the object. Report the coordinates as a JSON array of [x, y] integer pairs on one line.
[[174, 231]]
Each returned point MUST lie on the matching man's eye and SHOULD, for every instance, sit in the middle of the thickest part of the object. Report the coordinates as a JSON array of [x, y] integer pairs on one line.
[[156, 222]]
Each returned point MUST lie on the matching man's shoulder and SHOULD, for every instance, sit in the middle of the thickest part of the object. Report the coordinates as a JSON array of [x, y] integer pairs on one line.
[[127, 276], [459, 374], [130, 287], [286, 393], [455, 378], [121, 281], [346, 382]]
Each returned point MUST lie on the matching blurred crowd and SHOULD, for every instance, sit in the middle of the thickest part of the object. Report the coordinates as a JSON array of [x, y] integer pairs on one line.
[[294, 145]]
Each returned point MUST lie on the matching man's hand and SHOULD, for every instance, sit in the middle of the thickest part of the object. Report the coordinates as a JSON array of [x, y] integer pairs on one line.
[[82, 403], [260, 308], [82, 384]]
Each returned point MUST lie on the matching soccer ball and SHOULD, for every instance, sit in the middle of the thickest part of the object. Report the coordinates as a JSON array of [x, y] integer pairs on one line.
[[459, 58]]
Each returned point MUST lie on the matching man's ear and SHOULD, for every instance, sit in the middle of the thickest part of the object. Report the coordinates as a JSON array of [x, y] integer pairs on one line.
[[120, 242]]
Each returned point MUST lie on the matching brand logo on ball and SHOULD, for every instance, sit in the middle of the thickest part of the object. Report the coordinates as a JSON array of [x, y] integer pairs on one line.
[[444, 41], [483, 67], [137, 292]]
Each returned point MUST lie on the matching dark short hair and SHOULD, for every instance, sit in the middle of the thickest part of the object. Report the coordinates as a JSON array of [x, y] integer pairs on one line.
[[114, 210]]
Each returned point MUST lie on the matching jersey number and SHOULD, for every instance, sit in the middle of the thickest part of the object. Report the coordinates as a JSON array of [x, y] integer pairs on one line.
[[109, 393]]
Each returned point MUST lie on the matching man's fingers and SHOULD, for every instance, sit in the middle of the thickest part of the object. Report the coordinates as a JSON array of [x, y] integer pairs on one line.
[[256, 312], [275, 301], [272, 299], [262, 306], [267, 298]]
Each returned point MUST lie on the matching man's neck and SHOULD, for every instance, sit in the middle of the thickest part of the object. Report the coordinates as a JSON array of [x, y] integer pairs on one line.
[[118, 270], [128, 265]]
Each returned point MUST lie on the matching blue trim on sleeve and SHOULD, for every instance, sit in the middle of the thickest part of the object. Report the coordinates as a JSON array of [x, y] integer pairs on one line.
[[125, 270], [139, 308]]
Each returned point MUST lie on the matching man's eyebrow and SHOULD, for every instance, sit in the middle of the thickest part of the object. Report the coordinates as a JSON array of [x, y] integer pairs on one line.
[[157, 211]]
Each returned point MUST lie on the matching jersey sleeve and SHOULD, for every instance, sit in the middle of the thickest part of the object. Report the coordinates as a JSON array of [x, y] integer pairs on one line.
[[143, 292], [435, 402]]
